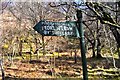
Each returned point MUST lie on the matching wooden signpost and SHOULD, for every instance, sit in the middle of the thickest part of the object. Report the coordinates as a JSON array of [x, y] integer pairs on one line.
[[69, 29]]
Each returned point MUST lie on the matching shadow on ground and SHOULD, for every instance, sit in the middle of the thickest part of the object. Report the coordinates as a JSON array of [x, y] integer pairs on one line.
[[11, 78]]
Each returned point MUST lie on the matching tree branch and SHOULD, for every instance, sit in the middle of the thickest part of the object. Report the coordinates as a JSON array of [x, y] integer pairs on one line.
[[105, 18]]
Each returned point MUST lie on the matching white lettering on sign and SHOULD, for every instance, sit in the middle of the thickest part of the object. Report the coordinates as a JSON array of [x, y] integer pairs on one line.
[[46, 32], [61, 33], [58, 28], [48, 28]]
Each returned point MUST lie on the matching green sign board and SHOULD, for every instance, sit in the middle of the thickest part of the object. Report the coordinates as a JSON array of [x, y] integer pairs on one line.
[[48, 28]]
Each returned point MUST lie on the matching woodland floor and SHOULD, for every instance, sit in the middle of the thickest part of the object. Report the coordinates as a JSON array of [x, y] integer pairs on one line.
[[62, 68]]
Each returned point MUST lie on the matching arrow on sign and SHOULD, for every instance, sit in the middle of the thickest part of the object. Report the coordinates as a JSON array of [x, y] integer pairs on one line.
[[48, 28]]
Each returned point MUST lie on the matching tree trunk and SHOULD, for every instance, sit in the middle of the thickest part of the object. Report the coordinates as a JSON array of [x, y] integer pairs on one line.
[[117, 38], [36, 51], [30, 51], [93, 50], [2, 70], [118, 50], [98, 48], [75, 56], [43, 45], [20, 49], [118, 8]]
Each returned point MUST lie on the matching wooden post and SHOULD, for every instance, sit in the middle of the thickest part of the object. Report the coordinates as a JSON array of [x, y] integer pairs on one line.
[[82, 44]]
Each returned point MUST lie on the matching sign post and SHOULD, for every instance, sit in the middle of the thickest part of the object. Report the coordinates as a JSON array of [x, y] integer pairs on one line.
[[48, 28], [82, 44]]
